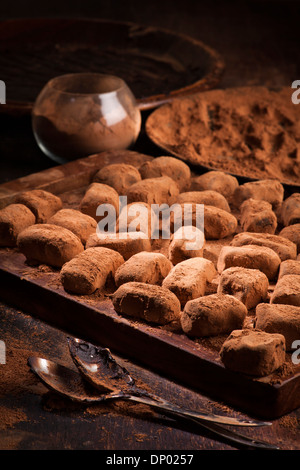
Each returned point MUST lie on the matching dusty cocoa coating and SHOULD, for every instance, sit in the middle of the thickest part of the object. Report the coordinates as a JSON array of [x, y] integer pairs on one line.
[[257, 216], [96, 195], [147, 267], [118, 175], [289, 266], [130, 245], [218, 223], [287, 290], [81, 224], [13, 219], [290, 210], [282, 246], [136, 217], [90, 270], [219, 181], [250, 286], [151, 303], [188, 279], [277, 318], [212, 315], [163, 190], [187, 242], [49, 244], [253, 352], [42, 203], [250, 256], [267, 190], [208, 197], [292, 232], [167, 166]]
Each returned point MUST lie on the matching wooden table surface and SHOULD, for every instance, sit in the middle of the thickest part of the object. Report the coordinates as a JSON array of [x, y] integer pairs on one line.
[[259, 43]]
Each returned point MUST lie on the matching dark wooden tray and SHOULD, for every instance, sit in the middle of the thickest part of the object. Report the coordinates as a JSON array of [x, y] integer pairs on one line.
[[155, 63], [38, 292]]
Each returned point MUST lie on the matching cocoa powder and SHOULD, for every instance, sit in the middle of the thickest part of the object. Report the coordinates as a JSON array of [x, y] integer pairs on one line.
[[247, 131]]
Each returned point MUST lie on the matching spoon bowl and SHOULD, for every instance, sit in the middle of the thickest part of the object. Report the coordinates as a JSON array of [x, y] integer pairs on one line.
[[63, 380]]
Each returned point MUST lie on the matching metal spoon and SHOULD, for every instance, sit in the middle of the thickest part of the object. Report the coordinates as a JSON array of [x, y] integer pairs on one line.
[[102, 371], [71, 384]]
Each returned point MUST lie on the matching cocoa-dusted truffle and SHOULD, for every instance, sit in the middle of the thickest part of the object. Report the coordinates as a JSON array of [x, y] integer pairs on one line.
[[81, 224], [257, 216], [292, 232], [147, 267], [250, 256], [277, 318], [188, 279], [282, 246], [13, 220], [219, 181], [218, 223], [49, 244], [268, 190], [98, 194], [250, 286], [212, 315], [208, 197], [127, 244], [253, 352], [287, 290], [137, 217], [43, 204], [90, 270], [167, 166], [187, 242], [289, 266], [154, 304], [118, 175], [163, 190], [290, 210]]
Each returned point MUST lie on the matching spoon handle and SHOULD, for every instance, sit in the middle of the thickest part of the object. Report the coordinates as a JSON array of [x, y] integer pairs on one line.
[[207, 422], [219, 419]]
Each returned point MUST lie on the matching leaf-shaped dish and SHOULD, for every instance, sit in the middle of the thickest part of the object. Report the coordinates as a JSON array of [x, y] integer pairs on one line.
[[250, 132]]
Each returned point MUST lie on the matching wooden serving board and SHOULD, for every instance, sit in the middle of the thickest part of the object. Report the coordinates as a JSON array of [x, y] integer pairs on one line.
[[38, 292]]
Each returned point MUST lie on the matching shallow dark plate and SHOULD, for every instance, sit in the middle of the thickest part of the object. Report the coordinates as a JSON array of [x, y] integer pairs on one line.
[[171, 128], [157, 64]]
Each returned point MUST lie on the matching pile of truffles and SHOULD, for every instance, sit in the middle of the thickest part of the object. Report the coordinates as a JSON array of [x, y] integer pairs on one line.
[[248, 266]]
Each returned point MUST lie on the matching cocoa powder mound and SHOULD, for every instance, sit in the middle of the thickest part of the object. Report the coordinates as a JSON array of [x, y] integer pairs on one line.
[[15, 378], [248, 131], [10, 417]]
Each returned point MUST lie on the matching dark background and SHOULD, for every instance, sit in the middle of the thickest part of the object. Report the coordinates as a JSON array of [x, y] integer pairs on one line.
[[258, 39]]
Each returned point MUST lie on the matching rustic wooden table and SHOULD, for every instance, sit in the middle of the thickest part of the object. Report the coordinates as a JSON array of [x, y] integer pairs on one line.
[[259, 42], [34, 418]]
